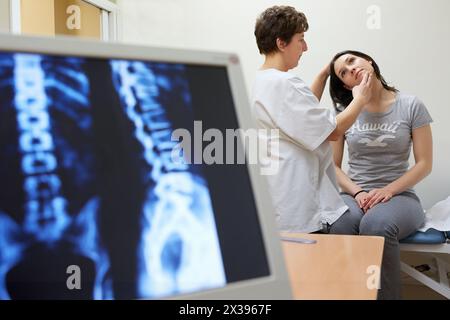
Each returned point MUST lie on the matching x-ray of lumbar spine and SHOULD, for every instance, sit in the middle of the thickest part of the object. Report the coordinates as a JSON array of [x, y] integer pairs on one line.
[[179, 248], [46, 222]]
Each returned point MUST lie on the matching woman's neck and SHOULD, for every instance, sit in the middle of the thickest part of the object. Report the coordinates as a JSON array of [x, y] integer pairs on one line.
[[274, 61], [381, 98]]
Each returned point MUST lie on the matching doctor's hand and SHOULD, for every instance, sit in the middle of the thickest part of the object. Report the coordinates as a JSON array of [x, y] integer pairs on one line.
[[326, 70], [363, 91], [324, 74], [376, 196]]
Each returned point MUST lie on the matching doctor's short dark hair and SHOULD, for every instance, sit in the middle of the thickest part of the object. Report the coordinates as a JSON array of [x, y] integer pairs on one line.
[[278, 22]]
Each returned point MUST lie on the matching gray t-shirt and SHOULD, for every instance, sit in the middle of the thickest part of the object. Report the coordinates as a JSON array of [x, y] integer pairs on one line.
[[379, 144]]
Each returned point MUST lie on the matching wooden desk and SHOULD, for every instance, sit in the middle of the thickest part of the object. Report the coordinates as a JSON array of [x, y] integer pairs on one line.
[[333, 268]]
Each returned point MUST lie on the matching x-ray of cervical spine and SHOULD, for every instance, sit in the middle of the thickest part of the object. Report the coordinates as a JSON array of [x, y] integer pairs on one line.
[[87, 180]]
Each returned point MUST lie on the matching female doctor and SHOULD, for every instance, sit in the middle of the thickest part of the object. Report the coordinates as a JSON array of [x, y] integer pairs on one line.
[[303, 190]]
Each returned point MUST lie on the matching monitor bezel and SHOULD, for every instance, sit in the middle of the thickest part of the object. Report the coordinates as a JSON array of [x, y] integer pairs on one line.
[[274, 286]]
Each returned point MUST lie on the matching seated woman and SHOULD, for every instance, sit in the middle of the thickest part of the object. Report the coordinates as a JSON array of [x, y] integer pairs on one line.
[[378, 188]]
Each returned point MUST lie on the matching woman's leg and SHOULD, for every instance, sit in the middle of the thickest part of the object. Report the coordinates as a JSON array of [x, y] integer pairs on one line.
[[393, 220], [348, 223]]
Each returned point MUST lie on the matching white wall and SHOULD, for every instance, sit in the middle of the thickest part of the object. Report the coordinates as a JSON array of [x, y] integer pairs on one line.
[[4, 15], [411, 47]]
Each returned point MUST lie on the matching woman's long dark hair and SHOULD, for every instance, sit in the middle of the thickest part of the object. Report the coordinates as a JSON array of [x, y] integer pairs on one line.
[[339, 94]]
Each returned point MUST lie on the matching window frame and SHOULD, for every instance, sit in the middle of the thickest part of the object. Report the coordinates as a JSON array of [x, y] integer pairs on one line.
[[109, 31]]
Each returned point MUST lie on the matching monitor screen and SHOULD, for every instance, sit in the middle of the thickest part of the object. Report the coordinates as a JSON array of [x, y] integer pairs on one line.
[[93, 204]]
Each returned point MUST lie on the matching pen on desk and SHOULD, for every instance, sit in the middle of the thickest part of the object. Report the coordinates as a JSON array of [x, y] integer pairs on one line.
[[298, 240]]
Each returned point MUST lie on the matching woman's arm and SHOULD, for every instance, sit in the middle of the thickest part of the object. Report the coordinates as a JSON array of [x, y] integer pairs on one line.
[[346, 184], [423, 155], [320, 81]]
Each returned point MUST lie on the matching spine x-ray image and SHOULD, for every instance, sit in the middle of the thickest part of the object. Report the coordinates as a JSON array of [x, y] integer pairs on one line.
[[87, 182]]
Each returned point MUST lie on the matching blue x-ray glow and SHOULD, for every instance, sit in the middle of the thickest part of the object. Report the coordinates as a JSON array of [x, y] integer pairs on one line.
[[87, 176]]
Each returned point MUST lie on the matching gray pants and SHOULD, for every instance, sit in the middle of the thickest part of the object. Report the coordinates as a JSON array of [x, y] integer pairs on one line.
[[393, 220]]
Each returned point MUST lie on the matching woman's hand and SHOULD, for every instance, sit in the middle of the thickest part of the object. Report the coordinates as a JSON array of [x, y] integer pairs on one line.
[[363, 91], [361, 198], [376, 196]]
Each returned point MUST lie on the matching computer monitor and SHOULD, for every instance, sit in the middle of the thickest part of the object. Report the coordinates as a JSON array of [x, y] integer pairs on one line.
[[93, 204]]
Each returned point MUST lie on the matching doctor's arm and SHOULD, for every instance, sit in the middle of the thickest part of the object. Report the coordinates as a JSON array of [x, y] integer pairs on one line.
[[320, 81], [423, 155], [361, 96]]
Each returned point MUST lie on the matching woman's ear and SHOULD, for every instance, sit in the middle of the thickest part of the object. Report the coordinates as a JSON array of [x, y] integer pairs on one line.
[[281, 44]]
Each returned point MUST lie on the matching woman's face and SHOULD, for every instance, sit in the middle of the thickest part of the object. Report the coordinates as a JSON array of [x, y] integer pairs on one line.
[[351, 69], [294, 50]]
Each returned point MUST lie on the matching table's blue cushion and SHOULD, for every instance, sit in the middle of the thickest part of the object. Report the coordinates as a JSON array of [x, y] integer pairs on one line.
[[431, 236]]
